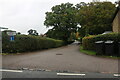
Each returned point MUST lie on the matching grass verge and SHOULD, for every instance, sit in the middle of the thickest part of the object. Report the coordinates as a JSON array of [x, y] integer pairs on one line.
[[8, 54], [93, 53], [87, 51]]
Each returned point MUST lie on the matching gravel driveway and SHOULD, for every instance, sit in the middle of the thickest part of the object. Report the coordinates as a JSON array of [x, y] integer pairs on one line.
[[63, 58]]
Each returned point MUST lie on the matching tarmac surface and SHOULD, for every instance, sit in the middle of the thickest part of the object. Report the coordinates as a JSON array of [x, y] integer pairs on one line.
[[45, 74], [66, 58]]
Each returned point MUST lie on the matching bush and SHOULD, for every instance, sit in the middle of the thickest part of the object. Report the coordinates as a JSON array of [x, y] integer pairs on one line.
[[26, 43], [89, 41]]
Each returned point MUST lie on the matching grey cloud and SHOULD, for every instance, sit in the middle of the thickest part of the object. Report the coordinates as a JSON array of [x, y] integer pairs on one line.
[[22, 15]]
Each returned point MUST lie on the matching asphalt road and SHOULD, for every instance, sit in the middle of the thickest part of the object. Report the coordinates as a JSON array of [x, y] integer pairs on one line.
[[67, 58], [45, 74]]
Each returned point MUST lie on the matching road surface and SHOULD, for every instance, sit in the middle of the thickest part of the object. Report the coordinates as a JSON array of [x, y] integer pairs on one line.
[[67, 58], [45, 74]]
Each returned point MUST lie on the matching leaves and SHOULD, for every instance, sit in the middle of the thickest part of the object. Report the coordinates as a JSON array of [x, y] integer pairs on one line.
[[62, 19], [32, 32], [96, 17]]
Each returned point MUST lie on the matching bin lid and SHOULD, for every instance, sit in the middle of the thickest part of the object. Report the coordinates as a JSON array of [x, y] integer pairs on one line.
[[109, 41], [99, 41]]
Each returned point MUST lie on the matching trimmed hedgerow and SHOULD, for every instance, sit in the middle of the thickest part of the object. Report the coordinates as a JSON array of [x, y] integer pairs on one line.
[[26, 43], [88, 42]]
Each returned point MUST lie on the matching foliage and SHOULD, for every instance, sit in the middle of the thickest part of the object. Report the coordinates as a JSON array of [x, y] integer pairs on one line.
[[18, 33], [62, 19], [95, 17], [89, 41], [33, 32], [72, 37], [26, 43]]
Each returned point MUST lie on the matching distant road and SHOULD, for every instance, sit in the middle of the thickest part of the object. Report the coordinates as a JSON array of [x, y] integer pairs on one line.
[[67, 58]]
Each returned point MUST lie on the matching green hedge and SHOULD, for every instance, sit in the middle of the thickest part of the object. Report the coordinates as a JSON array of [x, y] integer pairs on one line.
[[88, 42], [26, 43]]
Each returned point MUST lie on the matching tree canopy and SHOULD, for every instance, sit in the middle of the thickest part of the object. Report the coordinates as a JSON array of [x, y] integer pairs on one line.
[[32, 32], [62, 19], [94, 18]]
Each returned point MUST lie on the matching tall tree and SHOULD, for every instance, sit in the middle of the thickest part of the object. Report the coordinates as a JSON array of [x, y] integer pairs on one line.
[[95, 18], [32, 32], [62, 19]]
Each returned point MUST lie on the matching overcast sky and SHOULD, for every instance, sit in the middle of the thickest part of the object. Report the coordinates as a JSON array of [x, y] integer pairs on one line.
[[22, 15]]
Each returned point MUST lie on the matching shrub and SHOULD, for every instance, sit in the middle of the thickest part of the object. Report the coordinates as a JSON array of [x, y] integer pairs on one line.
[[89, 41], [80, 39], [26, 43]]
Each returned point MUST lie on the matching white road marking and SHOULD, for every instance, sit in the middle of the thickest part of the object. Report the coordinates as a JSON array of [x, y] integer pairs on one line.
[[69, 74], [117, 75], [11, 70]]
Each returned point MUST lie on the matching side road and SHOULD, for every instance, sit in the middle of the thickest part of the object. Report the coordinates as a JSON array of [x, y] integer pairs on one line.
[[63, 58]]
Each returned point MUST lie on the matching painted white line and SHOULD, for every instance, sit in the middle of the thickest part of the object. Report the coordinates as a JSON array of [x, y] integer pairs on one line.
[[48, 70], [69, 74], [11, 70], [117, 75]]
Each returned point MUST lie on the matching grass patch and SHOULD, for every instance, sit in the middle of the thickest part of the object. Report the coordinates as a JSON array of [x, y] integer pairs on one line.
[[3, 53], [87, 51], [93, 53], [8, 54]]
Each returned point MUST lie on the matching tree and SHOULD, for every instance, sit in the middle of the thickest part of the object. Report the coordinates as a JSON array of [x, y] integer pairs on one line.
[[95, 17], [80, 5], [62, 19], [18, 33], [32, 32]]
